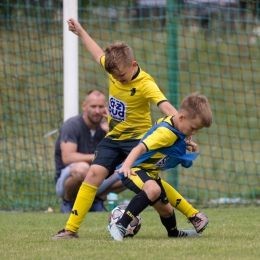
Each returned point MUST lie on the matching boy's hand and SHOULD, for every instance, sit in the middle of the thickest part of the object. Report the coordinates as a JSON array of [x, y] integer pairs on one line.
[[74, 26], [126, 171], [190, 145]]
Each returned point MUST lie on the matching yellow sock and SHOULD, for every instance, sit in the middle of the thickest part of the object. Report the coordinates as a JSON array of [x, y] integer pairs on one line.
[[83, 203], [177, 201]]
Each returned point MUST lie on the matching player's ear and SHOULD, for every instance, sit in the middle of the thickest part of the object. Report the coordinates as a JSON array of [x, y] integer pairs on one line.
[[134, 64], [181, 117], [83, 105]]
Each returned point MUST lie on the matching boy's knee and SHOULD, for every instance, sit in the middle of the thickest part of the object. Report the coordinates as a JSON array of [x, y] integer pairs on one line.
[[152, 189], [96, 175]]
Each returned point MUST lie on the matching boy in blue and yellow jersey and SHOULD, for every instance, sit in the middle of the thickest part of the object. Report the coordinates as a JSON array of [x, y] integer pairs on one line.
[[161, 148], [130, 92]]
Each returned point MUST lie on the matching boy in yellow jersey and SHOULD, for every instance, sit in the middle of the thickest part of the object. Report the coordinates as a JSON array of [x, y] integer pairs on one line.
[[161, 148], [130, 92]]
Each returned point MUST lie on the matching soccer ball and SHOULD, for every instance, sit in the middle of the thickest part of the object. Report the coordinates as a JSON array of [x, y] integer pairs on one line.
[[135, 225]]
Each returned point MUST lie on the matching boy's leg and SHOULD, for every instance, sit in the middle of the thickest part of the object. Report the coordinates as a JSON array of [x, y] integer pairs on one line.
[[84, 201], [72, 177], [111, 184], [138, 203], [167, 216], [150, 192], [168, 219], [155, 189], [86, 196], [177, 201], [108, 156], [198, 219]]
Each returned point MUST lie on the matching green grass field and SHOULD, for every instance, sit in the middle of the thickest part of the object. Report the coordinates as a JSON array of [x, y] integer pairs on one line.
[[233, 234]]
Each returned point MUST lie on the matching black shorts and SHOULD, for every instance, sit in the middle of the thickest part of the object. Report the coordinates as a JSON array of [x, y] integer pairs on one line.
[[111, 153], [135, 184]]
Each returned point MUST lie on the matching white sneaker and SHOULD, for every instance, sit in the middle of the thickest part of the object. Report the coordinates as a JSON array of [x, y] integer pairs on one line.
[[188, 233], [116, 231]]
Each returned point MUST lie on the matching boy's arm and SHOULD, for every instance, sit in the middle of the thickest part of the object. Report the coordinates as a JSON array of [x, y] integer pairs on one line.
[[131, 158], [167, 108], [89, 43]]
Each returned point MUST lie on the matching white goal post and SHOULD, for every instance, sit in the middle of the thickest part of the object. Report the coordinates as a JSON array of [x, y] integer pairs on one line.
[[70, 61]]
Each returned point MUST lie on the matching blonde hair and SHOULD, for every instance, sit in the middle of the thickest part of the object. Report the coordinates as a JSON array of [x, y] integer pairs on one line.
[[197, 106], [118, 54]]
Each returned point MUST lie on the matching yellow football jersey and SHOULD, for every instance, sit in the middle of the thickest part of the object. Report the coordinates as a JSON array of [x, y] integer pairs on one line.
[[160, 138], [129, 106]]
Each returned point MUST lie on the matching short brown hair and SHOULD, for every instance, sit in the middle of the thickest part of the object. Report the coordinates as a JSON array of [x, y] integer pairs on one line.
[[197, 106], [118, 54]]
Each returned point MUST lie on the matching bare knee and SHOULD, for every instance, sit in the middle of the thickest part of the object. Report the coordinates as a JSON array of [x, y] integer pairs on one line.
[[79, 171], [152, 189], [96, 175]]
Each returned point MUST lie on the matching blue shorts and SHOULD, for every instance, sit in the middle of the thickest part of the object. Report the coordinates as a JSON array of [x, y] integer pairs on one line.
[[65, 173]]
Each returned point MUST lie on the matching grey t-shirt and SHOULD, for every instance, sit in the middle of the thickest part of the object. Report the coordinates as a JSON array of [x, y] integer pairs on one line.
[[75, 130]]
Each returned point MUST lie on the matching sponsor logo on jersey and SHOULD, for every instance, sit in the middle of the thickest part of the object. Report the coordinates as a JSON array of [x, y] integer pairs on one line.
[[162, 161], [95, 155], [117, 109], [133, 90]]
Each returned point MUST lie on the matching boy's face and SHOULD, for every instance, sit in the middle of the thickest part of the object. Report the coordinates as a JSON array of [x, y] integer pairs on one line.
[[125, 73], [188, 126]]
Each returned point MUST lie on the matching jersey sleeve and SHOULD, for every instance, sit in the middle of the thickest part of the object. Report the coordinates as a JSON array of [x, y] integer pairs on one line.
[[102, 61], [69, 134], [159, 120], [151, 91], [160, 138]]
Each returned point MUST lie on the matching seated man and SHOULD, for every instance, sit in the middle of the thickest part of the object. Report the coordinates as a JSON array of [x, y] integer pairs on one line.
[[74, 151]]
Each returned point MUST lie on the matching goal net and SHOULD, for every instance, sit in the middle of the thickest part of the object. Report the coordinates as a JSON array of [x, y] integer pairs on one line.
[[185, 46]]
